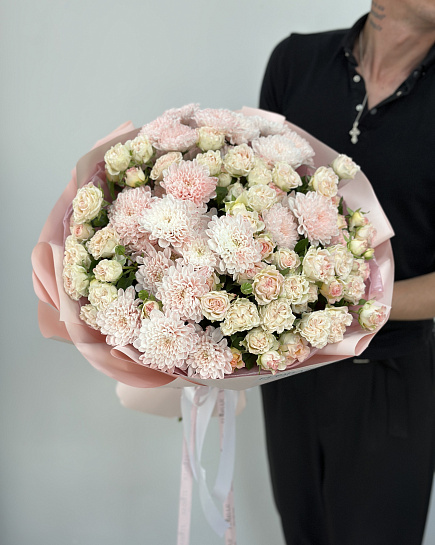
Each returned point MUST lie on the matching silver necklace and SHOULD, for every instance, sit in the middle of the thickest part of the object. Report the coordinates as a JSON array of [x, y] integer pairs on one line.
[[355, 132]]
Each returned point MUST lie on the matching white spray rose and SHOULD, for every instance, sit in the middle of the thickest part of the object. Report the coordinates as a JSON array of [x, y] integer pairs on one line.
[[75, 253], [277, 316], [141, 149], [284, 258], [75, 281], [325, 182], [215, 305], [212, 160], [117, 159], [108, 270], [242, 315], [285, 177], [293, 347], [164, 162], [101, 294], [372, 315], [315, 328], [82, 231], [261, 197], [344, 167], [267, 285], [240, 160], [210, 138], [272, 361], [134, 177], [103, 243], [87, 203], [259, 341]]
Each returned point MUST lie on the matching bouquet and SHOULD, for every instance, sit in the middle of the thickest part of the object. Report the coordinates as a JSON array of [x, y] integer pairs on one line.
[[207, 246]]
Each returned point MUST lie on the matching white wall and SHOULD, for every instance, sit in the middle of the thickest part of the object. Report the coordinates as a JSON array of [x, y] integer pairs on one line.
[[76, 467]]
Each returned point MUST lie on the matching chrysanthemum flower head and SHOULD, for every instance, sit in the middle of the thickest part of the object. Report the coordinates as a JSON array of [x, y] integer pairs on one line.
[[166, 341], [152, 267], [212, 358], [189, 180], [316, 215], [121, 319], [281, 225]]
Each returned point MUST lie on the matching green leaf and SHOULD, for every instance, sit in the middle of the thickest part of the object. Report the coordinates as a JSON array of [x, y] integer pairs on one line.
[[236, 339], [111, 186], [249, 359], [302, 246], [120, 250], [126, 281], [362, 302], [143, 294], [221, 193], [101, 220], [246, 288]]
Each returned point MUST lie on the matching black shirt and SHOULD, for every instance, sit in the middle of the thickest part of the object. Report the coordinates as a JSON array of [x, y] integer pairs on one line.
[[312, 81]]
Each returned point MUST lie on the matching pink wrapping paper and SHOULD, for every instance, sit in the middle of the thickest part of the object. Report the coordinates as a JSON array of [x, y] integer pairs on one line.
[[59, 315]]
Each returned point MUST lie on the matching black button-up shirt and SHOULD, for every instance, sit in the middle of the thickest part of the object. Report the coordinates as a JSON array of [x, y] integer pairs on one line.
[[312, 80]]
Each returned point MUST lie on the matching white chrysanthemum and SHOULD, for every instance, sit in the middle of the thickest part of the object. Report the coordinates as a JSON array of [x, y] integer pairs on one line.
[[316, 215], [171, 221], [278, 148], [121, 319], [239, 129], [181, 290], [266, 127], [166, 341], [198, 253], [152, 268], [305, 150], [212, 358], [281, 226], [231, 237]]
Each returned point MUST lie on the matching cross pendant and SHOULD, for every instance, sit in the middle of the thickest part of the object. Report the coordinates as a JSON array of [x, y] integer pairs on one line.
[[354, 133]]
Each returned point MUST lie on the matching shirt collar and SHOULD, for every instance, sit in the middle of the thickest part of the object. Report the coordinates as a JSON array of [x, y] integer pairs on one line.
[[353, 33]]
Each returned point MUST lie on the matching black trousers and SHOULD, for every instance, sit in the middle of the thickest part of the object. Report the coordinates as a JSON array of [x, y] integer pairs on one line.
[[351, 451]]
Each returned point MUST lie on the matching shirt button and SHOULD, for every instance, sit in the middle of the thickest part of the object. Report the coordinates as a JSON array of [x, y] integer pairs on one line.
[[356, 78], [346, 54], [416, 73], [399, 93], [359, 107], [374, 111]]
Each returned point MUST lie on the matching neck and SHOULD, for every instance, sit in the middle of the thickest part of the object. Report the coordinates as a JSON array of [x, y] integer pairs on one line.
[[395, 40]]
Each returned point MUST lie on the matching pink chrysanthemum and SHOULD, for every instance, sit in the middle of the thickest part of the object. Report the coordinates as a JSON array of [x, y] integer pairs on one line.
[[238, 129], [212, 358], [231, 237], [124, 214], [316, 215], [278, 148], [152, 268], [156, 127], [176, 137], [171, 221], [121, 319], [189, 181], [181, 289], [184, 115], [266, 127], [306, 151], [281, 226], [166, 341]]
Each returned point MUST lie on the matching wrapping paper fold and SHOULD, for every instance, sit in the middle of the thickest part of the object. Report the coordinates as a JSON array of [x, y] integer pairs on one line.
[[59, 315]]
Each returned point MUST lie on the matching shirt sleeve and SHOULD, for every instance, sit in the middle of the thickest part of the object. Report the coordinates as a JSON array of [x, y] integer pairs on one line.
[[275, 77]]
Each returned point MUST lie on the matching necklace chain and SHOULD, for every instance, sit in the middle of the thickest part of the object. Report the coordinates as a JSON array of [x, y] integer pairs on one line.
[[355, 132]]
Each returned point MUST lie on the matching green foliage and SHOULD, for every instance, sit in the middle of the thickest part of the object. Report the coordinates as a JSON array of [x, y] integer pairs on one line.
[[236, 339], [249, 359], [302, 247], [143, 294], [101, 220], [126, 280], [111, 186], [246, 288], [221, 193]]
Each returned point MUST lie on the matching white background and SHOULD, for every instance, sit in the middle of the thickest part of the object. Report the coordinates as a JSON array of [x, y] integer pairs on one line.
[[76, 467]]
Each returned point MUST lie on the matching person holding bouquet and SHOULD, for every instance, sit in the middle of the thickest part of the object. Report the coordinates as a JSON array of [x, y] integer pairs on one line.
[[351, 445]]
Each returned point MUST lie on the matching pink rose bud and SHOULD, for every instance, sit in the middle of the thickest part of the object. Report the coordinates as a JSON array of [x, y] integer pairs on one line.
[[134, 177]]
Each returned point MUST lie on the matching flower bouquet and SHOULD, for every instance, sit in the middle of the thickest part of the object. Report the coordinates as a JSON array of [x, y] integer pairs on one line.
[[207, 249], [207, 246]]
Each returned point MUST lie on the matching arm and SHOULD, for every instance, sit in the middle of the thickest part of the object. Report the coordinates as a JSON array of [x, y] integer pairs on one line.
[[414, 298]]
